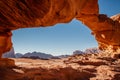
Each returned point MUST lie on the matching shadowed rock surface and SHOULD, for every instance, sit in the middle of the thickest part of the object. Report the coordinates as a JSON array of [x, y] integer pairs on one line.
[[10, 54]]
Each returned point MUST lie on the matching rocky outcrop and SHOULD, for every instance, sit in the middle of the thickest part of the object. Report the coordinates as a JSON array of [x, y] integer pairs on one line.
[[92, 50], [116, 18], [6, 63], [10, 54], [105, 29], [5, 42], [15, 14]]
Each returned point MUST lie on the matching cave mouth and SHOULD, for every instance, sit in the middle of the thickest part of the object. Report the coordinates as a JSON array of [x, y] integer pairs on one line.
[[59, 39], [17, 14]]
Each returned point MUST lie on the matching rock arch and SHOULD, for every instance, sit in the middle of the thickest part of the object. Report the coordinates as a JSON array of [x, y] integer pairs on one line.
[[15, 14]]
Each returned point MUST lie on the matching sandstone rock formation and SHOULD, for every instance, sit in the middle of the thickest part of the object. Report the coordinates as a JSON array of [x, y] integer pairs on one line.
[[5, 42], [6, 63], [15, 14], [10, 54], [105, 30]]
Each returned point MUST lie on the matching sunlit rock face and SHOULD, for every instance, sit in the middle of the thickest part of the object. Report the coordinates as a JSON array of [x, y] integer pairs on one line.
[[15, 14], [105, 29], [116, 18]]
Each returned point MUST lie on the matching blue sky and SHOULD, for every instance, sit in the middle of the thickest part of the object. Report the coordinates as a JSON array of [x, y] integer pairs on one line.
[[61, 38]]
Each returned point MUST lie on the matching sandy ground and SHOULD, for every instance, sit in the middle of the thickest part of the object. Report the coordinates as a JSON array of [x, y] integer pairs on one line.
[[77, 67]]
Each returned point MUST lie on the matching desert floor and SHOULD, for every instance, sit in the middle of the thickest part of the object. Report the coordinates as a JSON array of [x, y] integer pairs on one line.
[[77, 67]]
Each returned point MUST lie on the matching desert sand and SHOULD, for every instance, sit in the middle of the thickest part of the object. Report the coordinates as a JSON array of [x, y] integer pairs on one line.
[[76, 67]]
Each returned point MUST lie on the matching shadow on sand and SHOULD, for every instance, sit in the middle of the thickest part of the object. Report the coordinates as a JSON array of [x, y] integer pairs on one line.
[[68, 73]]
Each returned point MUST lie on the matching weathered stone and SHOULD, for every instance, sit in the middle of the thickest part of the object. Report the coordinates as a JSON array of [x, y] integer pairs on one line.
[[9, 54], [5, 42], [7, 63]]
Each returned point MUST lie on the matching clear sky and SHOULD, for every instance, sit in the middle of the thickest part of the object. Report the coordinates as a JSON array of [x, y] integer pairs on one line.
[[62, 38]]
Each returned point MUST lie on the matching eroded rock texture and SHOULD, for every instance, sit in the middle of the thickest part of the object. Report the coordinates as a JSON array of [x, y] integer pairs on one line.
[[105, 29], [5, 42], [15, 14]]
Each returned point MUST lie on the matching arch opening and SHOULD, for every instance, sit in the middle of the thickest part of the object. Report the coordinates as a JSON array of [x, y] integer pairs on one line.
[[59, 39]]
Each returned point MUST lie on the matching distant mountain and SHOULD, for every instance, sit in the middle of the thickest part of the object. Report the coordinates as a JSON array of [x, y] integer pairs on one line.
[[37, 55], [18, 55], [88, 51], [10, 54], [40, 55], [60, 56], [92, 50], [63, 56], [78, 52]]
